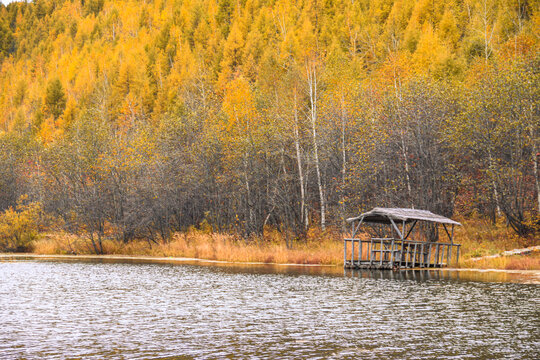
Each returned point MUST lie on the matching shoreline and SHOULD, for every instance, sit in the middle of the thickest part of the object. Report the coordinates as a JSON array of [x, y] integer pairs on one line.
[[24, 256], [523, 251]]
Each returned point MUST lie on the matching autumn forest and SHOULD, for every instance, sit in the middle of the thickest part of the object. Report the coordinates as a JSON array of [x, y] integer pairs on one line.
[[138, 119]]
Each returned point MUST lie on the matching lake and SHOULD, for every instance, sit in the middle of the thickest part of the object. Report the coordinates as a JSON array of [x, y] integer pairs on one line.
[[96, 310]]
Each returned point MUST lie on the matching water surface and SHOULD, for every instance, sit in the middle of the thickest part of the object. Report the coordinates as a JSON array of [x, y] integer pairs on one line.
[[138, 311]]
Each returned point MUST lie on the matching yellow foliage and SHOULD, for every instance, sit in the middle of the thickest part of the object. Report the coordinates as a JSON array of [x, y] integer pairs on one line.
[[19, 226], [429, 51], [232, 53]]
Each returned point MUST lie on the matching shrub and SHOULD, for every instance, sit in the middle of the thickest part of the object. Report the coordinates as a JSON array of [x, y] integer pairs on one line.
[[19, 226]]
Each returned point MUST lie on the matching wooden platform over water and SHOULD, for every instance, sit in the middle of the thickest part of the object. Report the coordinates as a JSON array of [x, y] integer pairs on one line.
[[392, 253], [399, 252]]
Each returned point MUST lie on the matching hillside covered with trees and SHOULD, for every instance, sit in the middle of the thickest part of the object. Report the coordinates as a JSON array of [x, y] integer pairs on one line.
[[135, 119]]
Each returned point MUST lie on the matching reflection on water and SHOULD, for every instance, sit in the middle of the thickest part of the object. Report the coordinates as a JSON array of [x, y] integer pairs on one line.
[[119, 310], [456, 275]]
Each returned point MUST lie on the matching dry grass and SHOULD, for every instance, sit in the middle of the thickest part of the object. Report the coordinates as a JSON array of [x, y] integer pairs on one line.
[[481, 238], [514, 262], [321, 248], [477, 237]]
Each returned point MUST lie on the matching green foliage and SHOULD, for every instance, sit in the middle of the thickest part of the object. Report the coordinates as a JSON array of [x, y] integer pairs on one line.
[[93, 6], [55, 98], [7, 40]]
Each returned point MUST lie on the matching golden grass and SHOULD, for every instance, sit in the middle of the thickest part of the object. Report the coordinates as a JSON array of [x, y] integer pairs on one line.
[[60, 243], [322, 248], [514, 262], [478, 238], [481, 238]]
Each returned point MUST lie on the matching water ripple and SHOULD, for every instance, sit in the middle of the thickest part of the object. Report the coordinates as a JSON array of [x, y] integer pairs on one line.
[[140, 311]]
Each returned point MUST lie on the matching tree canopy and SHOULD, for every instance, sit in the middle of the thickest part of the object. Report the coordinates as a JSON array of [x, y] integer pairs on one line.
[[139, 118]]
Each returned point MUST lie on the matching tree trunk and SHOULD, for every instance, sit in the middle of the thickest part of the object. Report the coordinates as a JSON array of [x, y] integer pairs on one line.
[[535, 156], [407, 171], [491, 167], [343, 162], [487, 38], [299, 164], [249, 206], [312, 84], [397, 89]]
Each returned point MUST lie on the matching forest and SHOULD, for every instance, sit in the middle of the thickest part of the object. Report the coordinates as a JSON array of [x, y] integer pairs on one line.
[[139, 119]]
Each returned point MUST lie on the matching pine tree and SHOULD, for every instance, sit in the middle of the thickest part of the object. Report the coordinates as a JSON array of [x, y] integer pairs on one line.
[[55, 99]]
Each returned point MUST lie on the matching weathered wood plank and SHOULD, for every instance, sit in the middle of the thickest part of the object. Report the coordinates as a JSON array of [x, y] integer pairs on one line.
[[414, 255], [345, 251], [381, 259]]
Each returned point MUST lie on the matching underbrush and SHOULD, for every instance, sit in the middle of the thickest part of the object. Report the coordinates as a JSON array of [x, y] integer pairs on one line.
[[19, 225]]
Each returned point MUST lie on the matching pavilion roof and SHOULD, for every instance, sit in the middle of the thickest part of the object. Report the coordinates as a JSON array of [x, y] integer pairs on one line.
[[383, 215]]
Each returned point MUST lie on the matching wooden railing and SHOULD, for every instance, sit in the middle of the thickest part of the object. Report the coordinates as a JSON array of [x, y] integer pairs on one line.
[[391, 252]]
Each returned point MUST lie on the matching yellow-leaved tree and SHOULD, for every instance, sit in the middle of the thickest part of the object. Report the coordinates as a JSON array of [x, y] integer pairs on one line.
[[19, 225], [240, 130]]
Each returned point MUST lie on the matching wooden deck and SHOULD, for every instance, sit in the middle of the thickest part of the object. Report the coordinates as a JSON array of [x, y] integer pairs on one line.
[[393, 253]]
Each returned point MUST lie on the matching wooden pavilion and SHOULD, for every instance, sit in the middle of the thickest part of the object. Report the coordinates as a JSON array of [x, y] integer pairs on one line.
[[399, 250]]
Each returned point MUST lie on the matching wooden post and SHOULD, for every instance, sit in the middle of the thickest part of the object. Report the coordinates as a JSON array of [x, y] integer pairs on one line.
[[452, 243], [345, 252], [355, 229], [371, 252], [359, 250], [392, 254], [411, 229], [429, 256], [396, 228], [406, 254], [358, 244], [352, 252], [437, 255], [414, 255], [381, 249]]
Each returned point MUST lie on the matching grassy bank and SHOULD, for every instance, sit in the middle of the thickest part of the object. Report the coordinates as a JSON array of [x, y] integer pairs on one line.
[[319, 249], [480, 238], [477, 237], [515, 262]]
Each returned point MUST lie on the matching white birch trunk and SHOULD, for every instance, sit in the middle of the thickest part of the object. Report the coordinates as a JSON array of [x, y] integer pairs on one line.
[[303, 214], [491, 166], [312, 85], [343, 161], [535, 166]]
